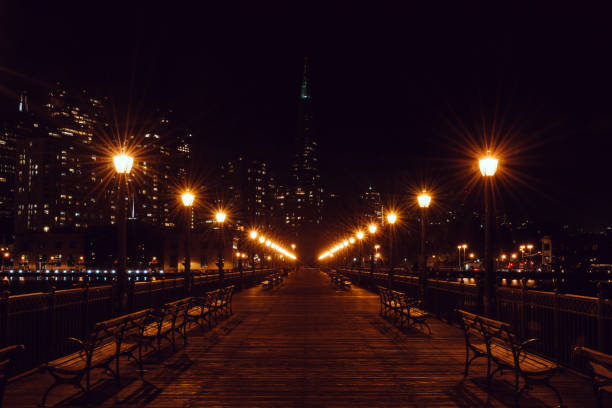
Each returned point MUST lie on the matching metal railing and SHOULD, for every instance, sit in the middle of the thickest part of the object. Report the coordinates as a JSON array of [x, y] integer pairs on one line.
[[561, 321], [43, 321]]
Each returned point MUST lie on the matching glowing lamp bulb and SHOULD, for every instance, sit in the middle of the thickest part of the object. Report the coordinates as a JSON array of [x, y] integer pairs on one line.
[[391, 218], [372, 228], [424, 200], [359, 235], [253, 234], [187, 198], [488, 166], [220, 216], [123, 163], [352, 240]]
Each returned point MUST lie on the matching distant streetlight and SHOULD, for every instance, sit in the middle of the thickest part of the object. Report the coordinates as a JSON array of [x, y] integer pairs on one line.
[[360, 235], [372, 228], [220, 217], [293, 246], [488, 167], [253, 234], [123, 165], [188, 198]]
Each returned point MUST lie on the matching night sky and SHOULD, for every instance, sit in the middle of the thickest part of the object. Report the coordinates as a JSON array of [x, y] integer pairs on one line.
[[390, 86]]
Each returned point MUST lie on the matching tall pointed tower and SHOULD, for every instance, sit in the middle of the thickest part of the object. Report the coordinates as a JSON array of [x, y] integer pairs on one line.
[[306, 191]]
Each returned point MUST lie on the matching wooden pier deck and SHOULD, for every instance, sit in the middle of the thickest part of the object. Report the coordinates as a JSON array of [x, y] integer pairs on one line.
[[305, 344]]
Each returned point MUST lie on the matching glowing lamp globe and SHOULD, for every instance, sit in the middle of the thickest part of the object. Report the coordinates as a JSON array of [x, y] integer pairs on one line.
[[424, 200], [187, 198], [123, 163], [220, 216], [488, 166], [253, 234], [359, 235], [391, 218], [372, 228], [262, 239]]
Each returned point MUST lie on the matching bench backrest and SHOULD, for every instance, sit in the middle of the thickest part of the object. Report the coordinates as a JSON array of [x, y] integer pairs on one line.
[[489, 331], [114, 330], [600, 363], [7, 355]]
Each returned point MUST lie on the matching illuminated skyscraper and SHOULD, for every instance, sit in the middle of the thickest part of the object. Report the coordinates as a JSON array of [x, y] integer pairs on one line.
[[56, 168], [305, 201]]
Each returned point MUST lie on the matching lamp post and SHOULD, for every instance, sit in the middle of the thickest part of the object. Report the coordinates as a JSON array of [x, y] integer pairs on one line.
[[488, 167], [372, 229], [220, 218], [424, 200], [187, 197], [391, 219], [529, 247], [253, 235], [123, 165], [360, 236]]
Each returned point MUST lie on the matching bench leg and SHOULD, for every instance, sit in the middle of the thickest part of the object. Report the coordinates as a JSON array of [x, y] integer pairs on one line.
[[76, 383]]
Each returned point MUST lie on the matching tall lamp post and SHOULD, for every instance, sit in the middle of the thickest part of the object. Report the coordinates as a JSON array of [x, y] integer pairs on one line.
[[360, 236], [372, 229], [391, 219], [123, 165], [488, 167], [220, 218], [187, 197], [424, 200]]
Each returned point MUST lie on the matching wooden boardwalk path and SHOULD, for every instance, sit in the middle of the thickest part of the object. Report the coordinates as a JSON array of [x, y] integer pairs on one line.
[[305, 344]]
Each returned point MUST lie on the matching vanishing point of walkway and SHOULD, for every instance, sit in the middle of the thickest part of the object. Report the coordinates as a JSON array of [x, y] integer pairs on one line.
[[305, 344]]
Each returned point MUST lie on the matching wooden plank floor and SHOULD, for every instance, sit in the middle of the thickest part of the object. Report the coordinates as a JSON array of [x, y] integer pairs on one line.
[[304, 344]]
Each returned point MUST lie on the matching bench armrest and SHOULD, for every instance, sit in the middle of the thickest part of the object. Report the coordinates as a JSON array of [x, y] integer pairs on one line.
[[528, 343], [83, 346]]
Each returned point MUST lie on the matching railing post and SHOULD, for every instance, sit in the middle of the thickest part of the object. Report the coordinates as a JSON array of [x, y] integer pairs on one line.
[[600, 318], [4, 299], [131, 294], [556, 328], [52, 343], [85, 316], [462, 290], [523, 307]]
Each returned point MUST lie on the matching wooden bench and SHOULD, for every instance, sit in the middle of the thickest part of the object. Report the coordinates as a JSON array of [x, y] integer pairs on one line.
[[108, 341], [410, 310], [403, 309], [600, 365], [339, 281], [7, 356], [223, 304], [495, 340], [201, 310], [165, 323]]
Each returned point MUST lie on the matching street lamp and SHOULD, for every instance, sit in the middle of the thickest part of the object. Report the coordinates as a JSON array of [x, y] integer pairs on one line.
[[188, 198], [372, 229], [488, 167], [424, 200], [529, 247], [123, 165], [459, 254], [360, 236], [391, 219], [220, 217]]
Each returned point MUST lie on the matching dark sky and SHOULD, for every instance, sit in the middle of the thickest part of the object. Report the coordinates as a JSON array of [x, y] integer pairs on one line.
[[390, 85]]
